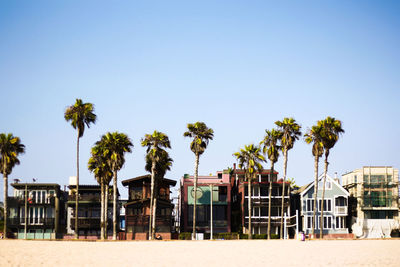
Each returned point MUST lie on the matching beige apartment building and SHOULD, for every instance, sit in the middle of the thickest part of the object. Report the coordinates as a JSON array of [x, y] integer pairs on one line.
[[374, 200]]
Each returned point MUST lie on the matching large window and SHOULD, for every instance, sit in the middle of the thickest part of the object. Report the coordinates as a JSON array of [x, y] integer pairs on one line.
[[340, 223], [136, 192], [327, 205], [310, 205]]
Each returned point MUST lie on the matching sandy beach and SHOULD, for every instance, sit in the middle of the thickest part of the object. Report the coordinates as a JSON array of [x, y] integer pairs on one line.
[[201, 253]]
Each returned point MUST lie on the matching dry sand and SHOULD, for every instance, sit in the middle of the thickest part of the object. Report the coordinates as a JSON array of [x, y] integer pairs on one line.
[[201, 253]]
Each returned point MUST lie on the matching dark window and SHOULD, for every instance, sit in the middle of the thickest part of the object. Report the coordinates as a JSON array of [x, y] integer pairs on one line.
[[222, 193]]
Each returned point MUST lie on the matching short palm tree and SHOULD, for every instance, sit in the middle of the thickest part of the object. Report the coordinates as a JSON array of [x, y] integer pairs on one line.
[[163, 164], [271, 148], [103, 174], [114, 146], [290, 133], [79, 114], [10, 149], [250, 159], [313, 136], [331, 130], [201, 135], [155, 143]]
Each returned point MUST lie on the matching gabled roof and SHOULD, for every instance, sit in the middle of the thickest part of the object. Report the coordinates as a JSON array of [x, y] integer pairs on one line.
[[311, 185], [147, 177]]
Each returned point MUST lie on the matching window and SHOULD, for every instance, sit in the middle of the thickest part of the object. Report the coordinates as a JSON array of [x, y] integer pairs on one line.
[[309, 222], [328, 184], [310, 205], [341, 201], [355, 178], [366, 179], [136, 192], [327, 205], [340, 223], [256, 191], [223, 192], [256, 211]]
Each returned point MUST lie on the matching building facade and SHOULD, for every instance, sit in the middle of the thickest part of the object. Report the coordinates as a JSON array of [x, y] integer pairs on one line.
[[137, 208], [259, 202], [36, 211], [374, 200], [89, 211], [335, 208], [213, 205]]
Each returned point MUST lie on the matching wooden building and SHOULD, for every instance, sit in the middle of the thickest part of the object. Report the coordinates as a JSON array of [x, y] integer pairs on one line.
[[137, 209]]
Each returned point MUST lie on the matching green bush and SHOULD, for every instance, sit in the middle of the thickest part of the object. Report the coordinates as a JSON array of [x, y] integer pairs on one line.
[[274, 236], [185, 236], [260, 236]]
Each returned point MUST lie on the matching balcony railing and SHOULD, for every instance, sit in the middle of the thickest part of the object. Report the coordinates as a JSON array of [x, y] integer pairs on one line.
[[340, 210], [31, 221], [20, 201], [144, 220], [89, 198], [89, 223]]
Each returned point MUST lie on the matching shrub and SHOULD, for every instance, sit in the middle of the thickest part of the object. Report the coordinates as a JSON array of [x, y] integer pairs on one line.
[[185, 236], [274, 236]]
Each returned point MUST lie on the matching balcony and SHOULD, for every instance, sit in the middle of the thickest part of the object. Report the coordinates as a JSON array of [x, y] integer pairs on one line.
[[15, 222], [88, 198], [20, 201], [89, 223], [340, 210], [134, 220]]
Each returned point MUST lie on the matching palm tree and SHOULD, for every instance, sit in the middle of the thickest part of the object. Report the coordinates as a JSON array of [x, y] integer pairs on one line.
[[155, 143], [331, 130], [114, 146], [201, 135], [103, 174], [163, 164], [10, 149], [250, 160], [290, 133], [271, 148], [313, 136], [79, 114]]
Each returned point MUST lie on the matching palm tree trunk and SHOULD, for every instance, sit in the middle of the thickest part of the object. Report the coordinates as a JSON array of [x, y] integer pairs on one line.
[[77, 189], [249, 205], [154, 217], [196, 172], [269, 200], [102, 211], [5, 202], [323, 195], [106, 212], [285, 158], [316, 161], [153, 174], [153, 225], [115, 189]]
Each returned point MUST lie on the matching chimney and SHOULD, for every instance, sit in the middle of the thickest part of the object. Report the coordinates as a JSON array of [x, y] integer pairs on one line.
[[336, 178]]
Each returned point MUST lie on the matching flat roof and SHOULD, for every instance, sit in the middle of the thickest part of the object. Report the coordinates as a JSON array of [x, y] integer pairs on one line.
[[146, 177]]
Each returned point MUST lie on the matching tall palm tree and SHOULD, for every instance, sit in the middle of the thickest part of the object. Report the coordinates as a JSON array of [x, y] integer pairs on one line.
[[10, 149], [155, 143], [79, 114], [331, 130], [114, 146], [163, 164], [271, 148], [201, 135], [290, 133], [313, 136], [103, 174], [250, 160]]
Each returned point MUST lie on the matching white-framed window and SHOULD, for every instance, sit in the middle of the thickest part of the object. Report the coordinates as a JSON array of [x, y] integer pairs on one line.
[[327, 204], [308, 222], [327, 222], [256, 191], [340, 222], [310, 205], [328, 184], [256, 212]]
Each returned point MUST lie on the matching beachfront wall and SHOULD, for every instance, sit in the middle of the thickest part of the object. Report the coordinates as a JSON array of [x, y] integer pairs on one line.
[[335, 207]]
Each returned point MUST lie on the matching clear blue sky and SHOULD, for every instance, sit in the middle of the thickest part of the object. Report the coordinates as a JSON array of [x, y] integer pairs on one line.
[[236, 65]]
